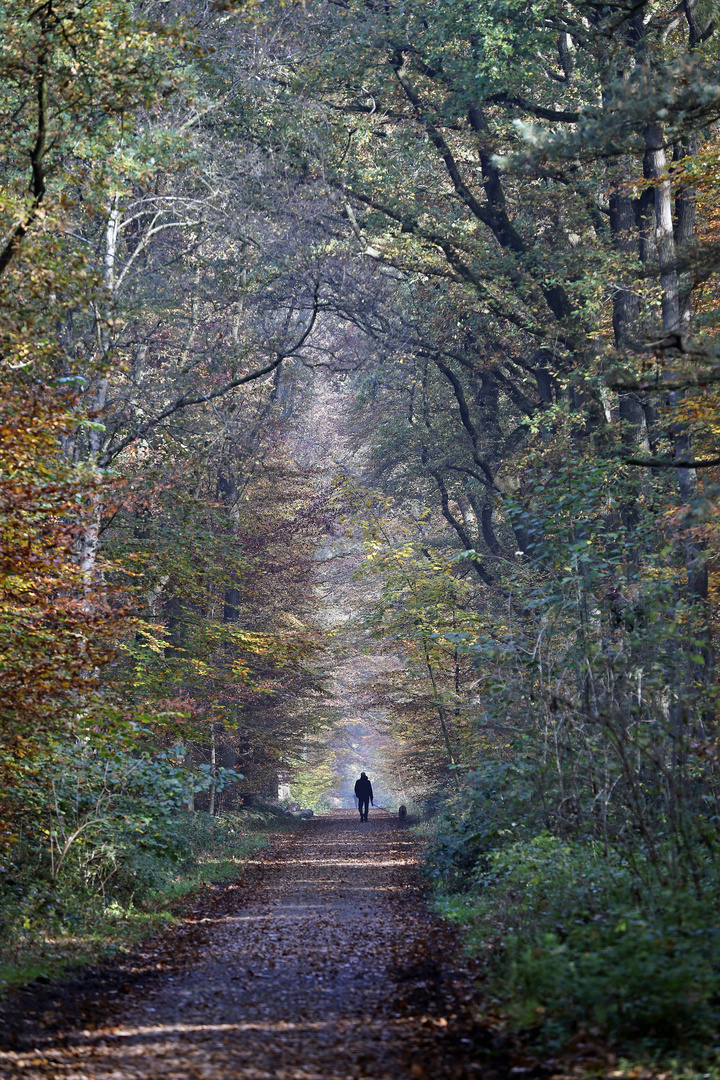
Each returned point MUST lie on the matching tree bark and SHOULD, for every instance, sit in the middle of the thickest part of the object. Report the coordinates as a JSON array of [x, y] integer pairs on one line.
[[213, 769], [656, 169]]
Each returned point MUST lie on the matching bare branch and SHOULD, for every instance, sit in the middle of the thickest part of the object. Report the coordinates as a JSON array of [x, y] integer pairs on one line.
[[666, 463], [186, 401]]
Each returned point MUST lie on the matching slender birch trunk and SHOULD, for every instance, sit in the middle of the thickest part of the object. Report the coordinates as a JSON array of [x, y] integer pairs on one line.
[[656, 161], [656, 168], [213, 769], [90, 541]]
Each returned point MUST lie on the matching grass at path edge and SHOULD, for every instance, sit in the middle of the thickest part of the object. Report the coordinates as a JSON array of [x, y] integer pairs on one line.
[[48, 933]]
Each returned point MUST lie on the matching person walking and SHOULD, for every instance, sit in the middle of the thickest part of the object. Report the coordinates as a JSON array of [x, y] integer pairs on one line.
[[364, 793]]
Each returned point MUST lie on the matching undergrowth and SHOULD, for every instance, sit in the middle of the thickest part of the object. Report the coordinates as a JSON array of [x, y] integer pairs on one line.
[[47, 928], [580, 945]]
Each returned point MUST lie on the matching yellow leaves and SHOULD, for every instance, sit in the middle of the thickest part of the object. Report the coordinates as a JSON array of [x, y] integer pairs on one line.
[[199, 667], [154, 638], [257, 643], [240, 670]]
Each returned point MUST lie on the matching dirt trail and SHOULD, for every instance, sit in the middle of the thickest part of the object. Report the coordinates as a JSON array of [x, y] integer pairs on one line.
[[321, 963]]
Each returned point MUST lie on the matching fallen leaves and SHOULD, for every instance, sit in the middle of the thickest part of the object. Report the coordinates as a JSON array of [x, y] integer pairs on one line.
[[321, 963]]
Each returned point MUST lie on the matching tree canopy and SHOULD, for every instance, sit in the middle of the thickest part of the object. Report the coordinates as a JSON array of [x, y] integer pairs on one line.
[[428, 290]]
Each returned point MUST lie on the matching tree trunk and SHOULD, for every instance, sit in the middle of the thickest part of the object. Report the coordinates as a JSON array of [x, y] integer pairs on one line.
[[625, 304], [213, 769], [685, 214], [656, 169], [90, 540]]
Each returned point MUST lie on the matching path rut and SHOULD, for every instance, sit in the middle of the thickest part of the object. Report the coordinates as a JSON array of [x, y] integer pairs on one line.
[[321, 963]]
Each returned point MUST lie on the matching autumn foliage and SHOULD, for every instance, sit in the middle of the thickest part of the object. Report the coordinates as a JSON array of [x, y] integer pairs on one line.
[[56, 628]]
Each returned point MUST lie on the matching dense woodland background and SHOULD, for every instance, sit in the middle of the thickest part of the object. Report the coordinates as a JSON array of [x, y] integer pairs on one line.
[[359, 407]]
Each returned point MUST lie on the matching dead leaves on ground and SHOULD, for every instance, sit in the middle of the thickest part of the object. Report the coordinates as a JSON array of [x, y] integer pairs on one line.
[[321, 963]]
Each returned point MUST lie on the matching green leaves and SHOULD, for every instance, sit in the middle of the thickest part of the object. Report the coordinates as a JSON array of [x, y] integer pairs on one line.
[[571, 933]]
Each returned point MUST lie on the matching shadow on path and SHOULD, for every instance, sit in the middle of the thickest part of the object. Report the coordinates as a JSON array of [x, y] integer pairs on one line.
[[321, 963]]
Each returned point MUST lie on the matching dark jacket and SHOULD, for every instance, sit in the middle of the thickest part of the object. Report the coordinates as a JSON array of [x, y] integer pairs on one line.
[[363, 788]]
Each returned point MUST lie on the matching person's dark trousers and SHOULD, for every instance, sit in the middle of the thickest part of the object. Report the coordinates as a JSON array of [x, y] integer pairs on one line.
[[363, 807]]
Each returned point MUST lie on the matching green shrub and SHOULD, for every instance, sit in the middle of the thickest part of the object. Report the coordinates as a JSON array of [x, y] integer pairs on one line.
[[46, 928], [574, 937], [496, 807], [105, 846]]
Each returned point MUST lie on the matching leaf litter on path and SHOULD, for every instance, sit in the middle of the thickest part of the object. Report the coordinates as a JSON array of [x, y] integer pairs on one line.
[[322, 962]]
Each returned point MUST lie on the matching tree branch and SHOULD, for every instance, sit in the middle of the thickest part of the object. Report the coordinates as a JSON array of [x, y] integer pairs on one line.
[[540, 111], [186, 401], [489, 479], [459, 528], [666, 463], [37, 154], [482, 213]]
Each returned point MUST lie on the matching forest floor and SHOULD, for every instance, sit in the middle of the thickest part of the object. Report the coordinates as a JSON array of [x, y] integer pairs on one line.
[[321, 962]]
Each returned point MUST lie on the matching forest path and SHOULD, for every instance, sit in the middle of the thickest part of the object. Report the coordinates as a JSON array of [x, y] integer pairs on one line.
[[321, 963]]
